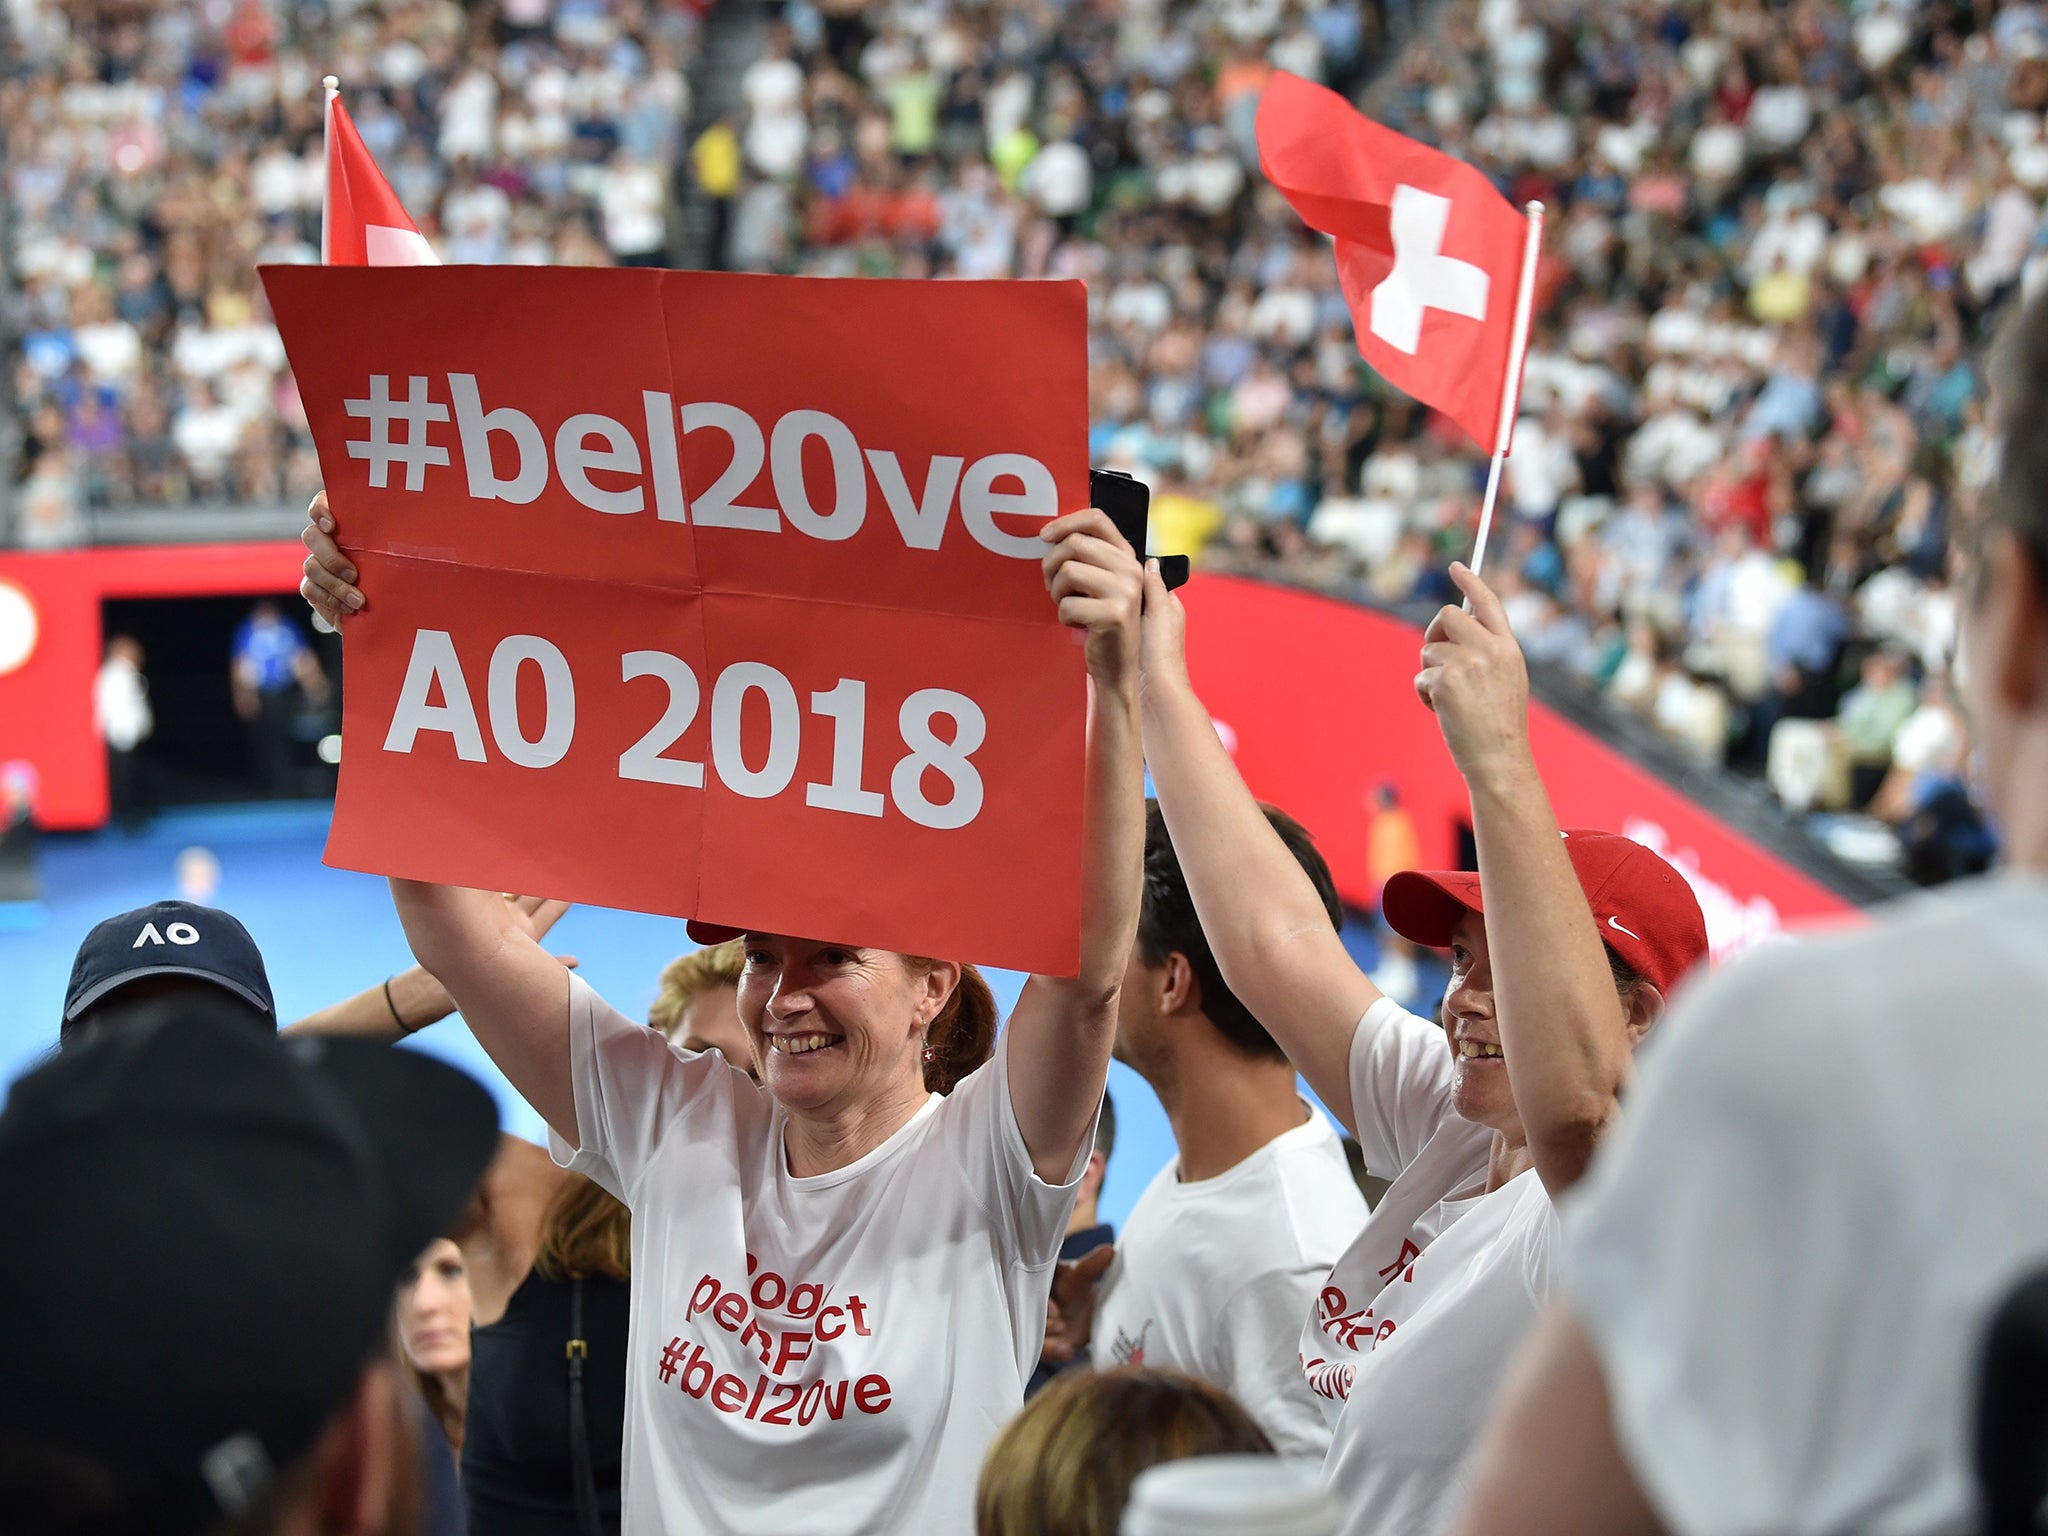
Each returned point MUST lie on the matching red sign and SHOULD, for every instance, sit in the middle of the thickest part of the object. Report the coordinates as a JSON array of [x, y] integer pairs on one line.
[[1316, 700], [710, 595]]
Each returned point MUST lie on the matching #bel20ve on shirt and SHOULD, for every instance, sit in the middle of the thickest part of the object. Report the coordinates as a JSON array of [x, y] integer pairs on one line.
[[1418, 1319], [830, 1354]]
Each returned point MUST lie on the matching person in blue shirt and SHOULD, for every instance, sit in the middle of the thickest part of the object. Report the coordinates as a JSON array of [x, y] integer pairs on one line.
[[273, 674], [1802, 653]]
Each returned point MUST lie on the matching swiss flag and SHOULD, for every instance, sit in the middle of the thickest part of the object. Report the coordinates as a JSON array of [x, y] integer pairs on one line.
[[1428, 253], [362, 222]]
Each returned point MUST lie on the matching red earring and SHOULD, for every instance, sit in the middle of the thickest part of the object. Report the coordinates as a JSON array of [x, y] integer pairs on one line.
[[930, 1055]]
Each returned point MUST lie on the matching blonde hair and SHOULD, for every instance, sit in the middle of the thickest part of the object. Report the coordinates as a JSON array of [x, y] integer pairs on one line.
[[585, 1232], [1065, 1465], [689, 977]]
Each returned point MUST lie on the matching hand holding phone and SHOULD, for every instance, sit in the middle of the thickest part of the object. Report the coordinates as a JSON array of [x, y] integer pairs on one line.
[[1128, 503]]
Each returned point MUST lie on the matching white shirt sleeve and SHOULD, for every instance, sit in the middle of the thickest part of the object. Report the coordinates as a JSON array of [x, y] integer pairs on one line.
[[1401, 1072], [1737, 1257], [630, 1087], [1027, 1215]]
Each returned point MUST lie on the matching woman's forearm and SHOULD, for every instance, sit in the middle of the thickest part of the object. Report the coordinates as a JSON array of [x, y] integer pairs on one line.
[[1113, 819], [513, 994], [411, 1000], [1263, 918], [1562, 1028]]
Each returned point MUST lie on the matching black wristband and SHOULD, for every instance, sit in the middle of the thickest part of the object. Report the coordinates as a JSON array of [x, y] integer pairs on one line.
[[403, 1027]]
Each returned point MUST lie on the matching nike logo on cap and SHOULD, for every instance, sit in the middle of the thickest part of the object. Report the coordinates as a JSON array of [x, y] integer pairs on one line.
[[1615, 924]]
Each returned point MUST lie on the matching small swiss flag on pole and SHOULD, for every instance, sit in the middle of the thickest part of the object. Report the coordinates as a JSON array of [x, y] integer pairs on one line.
[[362, 222], [1438, 268]]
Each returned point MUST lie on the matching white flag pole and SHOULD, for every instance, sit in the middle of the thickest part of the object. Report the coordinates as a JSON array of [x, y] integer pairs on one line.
[[333, 88], [1511, 386]]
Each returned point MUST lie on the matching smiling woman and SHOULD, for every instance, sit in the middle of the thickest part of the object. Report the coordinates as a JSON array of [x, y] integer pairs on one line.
[[1558, 969], [840, 1274]]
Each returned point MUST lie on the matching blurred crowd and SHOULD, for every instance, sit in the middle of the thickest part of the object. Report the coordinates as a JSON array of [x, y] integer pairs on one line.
[[155, 156], [1751, 417], [1776, 235]]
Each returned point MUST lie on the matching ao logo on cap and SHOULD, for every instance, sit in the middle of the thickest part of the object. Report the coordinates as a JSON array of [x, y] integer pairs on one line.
[[177, 933]]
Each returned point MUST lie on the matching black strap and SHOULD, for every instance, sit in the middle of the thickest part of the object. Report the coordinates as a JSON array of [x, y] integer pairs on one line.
[[581, 1471]]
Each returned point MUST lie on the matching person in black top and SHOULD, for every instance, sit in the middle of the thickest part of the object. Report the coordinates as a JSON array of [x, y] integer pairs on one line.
[[547, 1381]]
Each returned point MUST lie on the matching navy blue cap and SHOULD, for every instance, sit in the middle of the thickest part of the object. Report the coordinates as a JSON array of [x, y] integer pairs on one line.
[[168, 938]]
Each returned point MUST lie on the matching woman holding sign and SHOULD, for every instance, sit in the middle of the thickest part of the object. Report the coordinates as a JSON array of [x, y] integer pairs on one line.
[[839, 1279], [1558, 969]]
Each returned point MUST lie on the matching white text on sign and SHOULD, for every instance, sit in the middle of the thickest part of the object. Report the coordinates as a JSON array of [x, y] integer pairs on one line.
[[602, 463], [434, 669]]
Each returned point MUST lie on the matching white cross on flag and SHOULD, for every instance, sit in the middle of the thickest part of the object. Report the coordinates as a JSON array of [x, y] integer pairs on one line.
[[1429, 254], [362, 222]]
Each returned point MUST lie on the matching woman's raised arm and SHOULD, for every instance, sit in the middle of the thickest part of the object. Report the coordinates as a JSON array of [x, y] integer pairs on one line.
[[513, 994], [1563, 1031], [1062, 1031], [1264, 920]]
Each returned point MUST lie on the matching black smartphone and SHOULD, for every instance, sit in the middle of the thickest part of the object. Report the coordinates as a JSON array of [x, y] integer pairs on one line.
[[1128, 502]]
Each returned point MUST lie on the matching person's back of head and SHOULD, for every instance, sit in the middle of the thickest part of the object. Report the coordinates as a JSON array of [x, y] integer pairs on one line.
[[1168, 924], [232, 1212], [585, 1232], [1064, 1466]]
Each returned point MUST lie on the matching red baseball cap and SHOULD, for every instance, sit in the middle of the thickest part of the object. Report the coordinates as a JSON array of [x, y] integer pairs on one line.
[[1645, 910], [710, 933]]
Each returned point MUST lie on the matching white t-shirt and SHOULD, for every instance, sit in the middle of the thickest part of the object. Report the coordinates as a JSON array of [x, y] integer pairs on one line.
[[1213, 1277], [120, 700], [829, 1354], [1828, 1177], [1420, 1315]]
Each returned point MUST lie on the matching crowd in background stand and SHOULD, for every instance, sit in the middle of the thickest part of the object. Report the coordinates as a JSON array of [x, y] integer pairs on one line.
[[1777, 236], [155, 156]]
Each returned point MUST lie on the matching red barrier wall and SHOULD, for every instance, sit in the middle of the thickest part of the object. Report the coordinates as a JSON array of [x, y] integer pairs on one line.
[[1317, 700], [46, 700], [1315, 697]]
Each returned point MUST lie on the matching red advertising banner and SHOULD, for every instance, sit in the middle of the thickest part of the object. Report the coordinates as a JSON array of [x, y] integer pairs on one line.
[[708, 594], [1316, 700]]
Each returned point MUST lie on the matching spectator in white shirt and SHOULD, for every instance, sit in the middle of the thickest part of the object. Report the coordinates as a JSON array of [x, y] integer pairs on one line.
[[775, 81], [839, 1276], [634, 205], [1223, 1255], [1777, 1283], [120, 708], [1556, 973], [1060, 180], [207, 433]]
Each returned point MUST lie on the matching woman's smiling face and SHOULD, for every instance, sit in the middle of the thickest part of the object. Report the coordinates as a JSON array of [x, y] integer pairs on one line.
[[1480, 1091], [835, 1026]]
